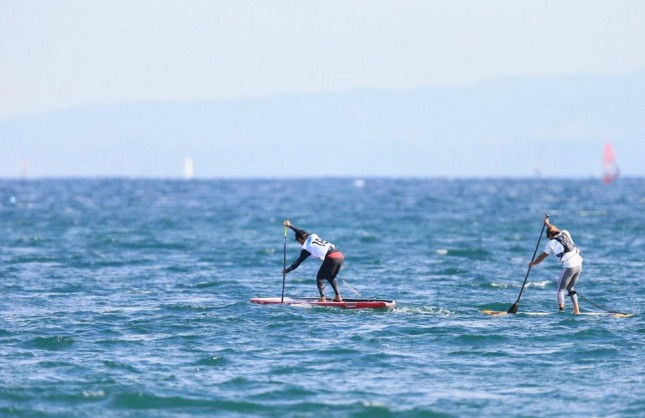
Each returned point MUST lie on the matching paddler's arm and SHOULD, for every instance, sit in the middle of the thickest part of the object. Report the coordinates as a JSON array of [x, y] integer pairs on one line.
[[538, 260], [288, 224], [303, 255]]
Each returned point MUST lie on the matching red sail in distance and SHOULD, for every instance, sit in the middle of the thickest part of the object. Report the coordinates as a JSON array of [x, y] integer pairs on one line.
[[609, 167]]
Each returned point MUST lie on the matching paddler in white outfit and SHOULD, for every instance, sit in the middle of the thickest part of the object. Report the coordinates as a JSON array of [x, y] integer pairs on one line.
[[332, 260], [561, 244]]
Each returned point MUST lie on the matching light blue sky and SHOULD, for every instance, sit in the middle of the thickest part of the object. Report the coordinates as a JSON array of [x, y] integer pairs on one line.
[[59, 55]]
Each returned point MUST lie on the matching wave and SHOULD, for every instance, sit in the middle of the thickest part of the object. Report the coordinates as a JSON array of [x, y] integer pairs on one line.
[[59, 342], [541, 284]]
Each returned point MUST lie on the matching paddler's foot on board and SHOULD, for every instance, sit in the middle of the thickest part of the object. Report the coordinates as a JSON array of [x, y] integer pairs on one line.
[[338, 298], [322, 299]]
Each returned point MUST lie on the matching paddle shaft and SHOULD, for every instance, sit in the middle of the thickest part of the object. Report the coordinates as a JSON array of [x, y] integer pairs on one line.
[[513, 309], [284, 264]]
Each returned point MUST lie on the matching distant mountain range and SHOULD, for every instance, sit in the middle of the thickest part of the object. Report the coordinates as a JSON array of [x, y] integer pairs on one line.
[[516, 128]]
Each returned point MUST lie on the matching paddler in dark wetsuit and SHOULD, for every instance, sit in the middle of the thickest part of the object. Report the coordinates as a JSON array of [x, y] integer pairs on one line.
[[333, 260]]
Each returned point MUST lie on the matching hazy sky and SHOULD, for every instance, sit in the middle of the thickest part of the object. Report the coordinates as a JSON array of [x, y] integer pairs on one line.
[[59, 54]]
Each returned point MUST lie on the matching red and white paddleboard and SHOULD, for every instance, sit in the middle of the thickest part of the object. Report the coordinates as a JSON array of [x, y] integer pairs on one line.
[[345, 304]]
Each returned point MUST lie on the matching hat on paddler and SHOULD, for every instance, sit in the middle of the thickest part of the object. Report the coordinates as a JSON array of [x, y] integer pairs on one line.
[[300, 233]]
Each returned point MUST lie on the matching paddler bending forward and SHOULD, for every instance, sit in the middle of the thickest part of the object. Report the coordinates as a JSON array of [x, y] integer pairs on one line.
[[332, 260]]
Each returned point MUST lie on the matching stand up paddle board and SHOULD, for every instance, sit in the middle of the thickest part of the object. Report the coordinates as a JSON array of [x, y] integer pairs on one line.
[[345, 304], [503, 313]]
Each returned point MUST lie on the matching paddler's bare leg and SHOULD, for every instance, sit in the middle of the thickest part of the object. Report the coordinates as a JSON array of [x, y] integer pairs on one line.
[[576, 308]]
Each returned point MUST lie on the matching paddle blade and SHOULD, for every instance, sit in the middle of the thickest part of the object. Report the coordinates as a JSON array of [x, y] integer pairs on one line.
[[513, 309]]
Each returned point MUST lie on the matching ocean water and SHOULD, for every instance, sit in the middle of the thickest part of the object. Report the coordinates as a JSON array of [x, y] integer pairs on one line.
[[130, 298]]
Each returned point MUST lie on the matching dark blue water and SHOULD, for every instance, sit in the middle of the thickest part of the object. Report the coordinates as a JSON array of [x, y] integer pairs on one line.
[[131, 298]]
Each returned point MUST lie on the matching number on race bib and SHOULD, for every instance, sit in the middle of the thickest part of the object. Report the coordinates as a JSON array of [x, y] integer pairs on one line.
[[318, 241]]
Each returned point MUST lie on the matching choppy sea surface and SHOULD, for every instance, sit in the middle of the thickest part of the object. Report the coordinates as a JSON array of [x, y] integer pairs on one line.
[[130, 298]]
